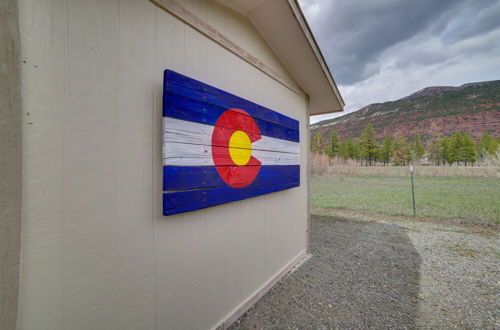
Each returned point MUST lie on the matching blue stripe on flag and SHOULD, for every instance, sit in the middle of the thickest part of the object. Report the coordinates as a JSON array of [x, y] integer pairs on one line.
[[179, 84], [194, 177], [204, 99], [180, 107], [207, 189]]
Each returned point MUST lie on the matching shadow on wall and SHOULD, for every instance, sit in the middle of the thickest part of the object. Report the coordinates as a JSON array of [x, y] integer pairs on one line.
[[362, 275]]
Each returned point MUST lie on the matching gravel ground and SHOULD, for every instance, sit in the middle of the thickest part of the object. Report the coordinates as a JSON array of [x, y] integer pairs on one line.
[[374, 271]]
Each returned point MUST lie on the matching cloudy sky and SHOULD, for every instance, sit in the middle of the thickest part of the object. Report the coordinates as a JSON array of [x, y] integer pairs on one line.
[[382, 50]]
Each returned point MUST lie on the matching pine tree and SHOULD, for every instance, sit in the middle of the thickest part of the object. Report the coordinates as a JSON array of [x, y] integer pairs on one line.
[[436, 153], [368, 144], [328, 150], [334, 144], [386, 150], [455, 149], [446, 151], [494, 146], [402, 155], [356, 151], [344, 150], [418, 150], [487, 146], [317, 143], [350, 149], [468, 150]]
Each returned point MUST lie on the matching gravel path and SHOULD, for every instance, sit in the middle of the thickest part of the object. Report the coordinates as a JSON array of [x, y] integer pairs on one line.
[[370, 271]]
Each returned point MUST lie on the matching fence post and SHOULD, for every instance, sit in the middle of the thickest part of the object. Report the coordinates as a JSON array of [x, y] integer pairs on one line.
[[412, 190]]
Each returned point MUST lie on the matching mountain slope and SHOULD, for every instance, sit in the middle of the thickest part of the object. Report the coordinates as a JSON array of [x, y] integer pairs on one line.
[[433, 111]]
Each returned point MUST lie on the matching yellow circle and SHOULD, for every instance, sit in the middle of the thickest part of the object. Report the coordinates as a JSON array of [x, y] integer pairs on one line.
[[240, 148]]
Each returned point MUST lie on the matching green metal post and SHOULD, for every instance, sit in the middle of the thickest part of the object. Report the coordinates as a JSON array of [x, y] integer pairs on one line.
[[413, 191]]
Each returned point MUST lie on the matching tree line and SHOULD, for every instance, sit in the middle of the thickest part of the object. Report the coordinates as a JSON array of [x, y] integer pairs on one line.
[[459, 148]]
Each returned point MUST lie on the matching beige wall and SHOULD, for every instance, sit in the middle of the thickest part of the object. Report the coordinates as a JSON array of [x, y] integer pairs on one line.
[[96, 250], [10, 163]]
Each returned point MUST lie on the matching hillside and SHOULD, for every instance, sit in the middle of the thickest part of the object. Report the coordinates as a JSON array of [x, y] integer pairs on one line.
[[433, 111]]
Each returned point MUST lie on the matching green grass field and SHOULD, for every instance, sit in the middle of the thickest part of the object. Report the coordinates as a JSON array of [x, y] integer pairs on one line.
[[472, 200]]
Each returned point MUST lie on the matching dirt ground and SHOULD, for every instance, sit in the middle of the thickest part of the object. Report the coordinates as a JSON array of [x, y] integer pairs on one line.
[[375, 271]]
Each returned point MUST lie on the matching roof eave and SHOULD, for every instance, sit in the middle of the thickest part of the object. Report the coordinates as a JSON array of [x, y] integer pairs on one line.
[[283, 25], [306, 29]]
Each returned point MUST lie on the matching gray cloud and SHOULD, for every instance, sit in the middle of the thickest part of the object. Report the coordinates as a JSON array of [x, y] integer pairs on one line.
[[357, 31], [367, 43], [486, 20]]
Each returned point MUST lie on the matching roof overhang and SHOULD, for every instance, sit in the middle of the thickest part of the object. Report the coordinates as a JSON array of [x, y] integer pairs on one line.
[[283, 25]]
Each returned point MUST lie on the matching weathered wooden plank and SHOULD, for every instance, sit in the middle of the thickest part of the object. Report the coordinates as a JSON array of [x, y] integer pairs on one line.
[[181, 85], [183, 154], [198, 111], [177, 178], [181, 131]]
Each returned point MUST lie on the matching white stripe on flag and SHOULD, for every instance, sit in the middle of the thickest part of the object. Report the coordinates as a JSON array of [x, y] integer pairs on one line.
[[187, 143]]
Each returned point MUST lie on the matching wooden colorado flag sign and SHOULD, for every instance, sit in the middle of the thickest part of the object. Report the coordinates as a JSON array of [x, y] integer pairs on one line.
[[220, 148]]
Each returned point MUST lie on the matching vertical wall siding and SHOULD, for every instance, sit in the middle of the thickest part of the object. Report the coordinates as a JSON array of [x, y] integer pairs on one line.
[[43, 48], [10, 164], [96, 250]]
